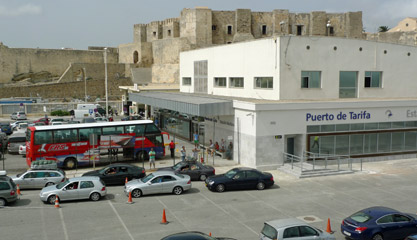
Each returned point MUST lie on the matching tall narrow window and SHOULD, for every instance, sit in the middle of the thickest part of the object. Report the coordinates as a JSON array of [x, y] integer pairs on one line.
[[154, 34], [299, 30], [373, 79], [331, 31], [229, 30], [310, 79], [236, 82], [169, 32], [263, 29], [135, 57], [347, 84]]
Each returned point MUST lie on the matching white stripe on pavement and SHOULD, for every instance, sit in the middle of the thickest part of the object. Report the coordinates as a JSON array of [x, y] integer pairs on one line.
[[120, 219]]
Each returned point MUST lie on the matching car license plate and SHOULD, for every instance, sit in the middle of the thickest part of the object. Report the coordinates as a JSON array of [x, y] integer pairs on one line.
[[346, 233]]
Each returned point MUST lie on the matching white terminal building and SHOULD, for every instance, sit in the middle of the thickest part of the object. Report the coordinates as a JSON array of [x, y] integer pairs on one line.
[[296, 94]]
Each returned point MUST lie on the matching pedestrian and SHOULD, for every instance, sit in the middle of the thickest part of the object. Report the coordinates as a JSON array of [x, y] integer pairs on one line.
[[216, 146], [195, 139], [210, 149], [183, 153], [316, 142], [222, 146], [229, 152], [152, 158], [172, 148], [195, 153]]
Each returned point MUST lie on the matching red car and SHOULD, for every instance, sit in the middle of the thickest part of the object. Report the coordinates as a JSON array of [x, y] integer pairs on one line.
[[43, 120]]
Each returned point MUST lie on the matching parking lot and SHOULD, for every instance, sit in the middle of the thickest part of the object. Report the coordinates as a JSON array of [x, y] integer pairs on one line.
[[237, 214]]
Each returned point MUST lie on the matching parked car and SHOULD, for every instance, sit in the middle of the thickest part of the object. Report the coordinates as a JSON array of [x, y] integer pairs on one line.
[[15, 141], [193, 236], [43, 120], [14, 125], [88, 120], [412, 237], [117, 173], [132, 117], [196, 170], [34, 178], [101, 119], [55, 120], [75, 189], [18, 116], [292, 228], [6, 128], [158, 182], [57, 123], [22, 149], [240, 178], [379, 223], [8, 189]]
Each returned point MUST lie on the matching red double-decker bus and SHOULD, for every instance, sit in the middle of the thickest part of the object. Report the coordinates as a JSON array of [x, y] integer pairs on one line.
[[73, 145]]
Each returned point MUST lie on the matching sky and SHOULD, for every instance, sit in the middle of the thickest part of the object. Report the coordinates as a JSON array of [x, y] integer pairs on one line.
[[78, 24]]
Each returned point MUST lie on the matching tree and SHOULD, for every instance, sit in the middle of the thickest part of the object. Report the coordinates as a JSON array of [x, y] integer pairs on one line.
[[383, 29]]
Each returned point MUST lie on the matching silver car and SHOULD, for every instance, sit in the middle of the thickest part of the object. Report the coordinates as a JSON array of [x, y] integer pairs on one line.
[[293, 228], [15, 141], [74, 189], [39, 178], [158, 182], [18, 116]]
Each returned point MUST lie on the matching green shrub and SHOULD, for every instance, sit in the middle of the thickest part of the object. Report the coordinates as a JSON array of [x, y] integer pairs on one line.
[[60, 113]]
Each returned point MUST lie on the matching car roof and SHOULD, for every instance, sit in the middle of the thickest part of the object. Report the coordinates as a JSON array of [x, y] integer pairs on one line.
[[244, 169], [84, 178], [122, 165], [187, 236], [379, 211], [163, 172], [288, 222]]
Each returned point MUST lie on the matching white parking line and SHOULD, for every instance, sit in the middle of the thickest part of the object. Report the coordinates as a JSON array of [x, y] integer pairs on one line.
[[170, 212], [61, 215], [215, 204], [120, 219]]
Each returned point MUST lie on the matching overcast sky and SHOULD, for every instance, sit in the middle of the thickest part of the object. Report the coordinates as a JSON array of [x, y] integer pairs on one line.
[[82, 23]]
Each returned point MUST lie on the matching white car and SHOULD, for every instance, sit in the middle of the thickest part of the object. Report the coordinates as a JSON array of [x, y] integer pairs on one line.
[[16, 124], [22, 149]]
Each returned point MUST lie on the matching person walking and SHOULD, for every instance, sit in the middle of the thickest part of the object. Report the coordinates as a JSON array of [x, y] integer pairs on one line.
[[195, 135], [183, 153], [152, 158], [172, 148]]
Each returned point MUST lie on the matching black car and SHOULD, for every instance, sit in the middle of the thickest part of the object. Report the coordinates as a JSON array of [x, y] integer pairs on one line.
[[196, 170], [117, 173], [193, 236], [240, 178]]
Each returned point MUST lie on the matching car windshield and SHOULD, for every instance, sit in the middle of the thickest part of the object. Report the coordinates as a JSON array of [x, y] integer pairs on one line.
[[178, 165], [360, 217], [103, 170], [269, 231], [147, 178], [61, 185], [230, 173]]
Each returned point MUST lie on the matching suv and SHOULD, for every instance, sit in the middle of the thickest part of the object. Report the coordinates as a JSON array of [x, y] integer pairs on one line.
[[55, 120], [8, 189], [18, 116], [39, 178], [15, 141]]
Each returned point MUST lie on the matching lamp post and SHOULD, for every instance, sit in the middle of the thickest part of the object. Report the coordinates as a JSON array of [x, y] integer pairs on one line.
[[85, 84], [105, 82]]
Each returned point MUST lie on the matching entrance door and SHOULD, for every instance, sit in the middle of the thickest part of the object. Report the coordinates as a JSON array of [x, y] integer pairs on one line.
[[290, 145]]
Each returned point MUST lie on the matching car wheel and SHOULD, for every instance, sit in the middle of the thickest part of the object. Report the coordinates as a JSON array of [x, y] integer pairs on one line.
[[70, 163], [377, 237], [136, 193], [177, 190], [49, 184], [220, 188], [203, 178], [140, 156], [95, 196], [2, 202], [260, 186], [51, 199]]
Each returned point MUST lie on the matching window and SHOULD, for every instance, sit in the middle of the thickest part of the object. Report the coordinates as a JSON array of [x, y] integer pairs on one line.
[[85, 133], [269, 231], [347, 84], [220, 82], [157, 179], [169, 32], [306, 231], [291, 232], [213, 27], [386, 219], [135, 56], [236, 82], [151, 128], [154, 34], [263, 29], [86, 184], [186, 81], [252, 174], [4, 186], [229, 30], [299, 30], [373, 79], [264, 82], [43, 137], [310, 79], [113, 130], [331, 30], [65, 135], [138, 129], [168, 179]]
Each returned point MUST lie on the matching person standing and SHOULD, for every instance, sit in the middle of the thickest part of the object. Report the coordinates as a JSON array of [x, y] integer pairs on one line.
[[183, 153], [222, 146], [172, 148], [152, 158], [195, 139], [195, 153]]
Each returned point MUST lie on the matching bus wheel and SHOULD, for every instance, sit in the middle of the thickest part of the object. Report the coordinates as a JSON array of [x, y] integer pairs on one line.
[[142, 155], [70, 163]]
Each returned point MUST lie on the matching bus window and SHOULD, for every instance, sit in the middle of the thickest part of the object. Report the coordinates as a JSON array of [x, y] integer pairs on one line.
[[85, 133], [151, 128], [65, 135], [112, 130], [137, 129], [157, 140], [28, 134], [42, 137]]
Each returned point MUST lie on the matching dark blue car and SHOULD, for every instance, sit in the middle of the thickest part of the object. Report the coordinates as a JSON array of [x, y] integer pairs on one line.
[[6, 128], [378, 223]]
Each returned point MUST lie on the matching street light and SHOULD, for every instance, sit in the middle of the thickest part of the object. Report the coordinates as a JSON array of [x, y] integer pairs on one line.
[[105, 84], [85, 84]]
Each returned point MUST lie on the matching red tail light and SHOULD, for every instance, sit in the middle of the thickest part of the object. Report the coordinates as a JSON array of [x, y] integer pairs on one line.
[[360, 229], [103, 188], [214, 171], [12, 193], [8, 145], [272, 178], [189, 182], [143, 170], [343, 222], [63, 180]]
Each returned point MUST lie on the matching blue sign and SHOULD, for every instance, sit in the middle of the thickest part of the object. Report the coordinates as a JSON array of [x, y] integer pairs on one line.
[[339, 116], [90, 111]]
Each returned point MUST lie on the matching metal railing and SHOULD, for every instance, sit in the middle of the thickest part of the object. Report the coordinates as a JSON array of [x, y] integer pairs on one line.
[[328, 161]]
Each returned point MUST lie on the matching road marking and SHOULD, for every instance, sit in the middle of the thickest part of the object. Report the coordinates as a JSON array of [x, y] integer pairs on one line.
[[120, 219], [216, 205], [61, 215], [166, 207]]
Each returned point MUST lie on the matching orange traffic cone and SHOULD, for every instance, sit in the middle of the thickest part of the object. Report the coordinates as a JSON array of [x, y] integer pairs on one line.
[[130, 201], [57, 202], [18, 190], [126, 180], [210, 234], [164, 218], [329, 228]]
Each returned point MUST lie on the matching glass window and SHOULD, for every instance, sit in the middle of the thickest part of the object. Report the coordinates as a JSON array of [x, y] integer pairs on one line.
[[252, 174], [139, 130], [410, 141], [306, 231], [328, 128], [43, 137], [401, 218], [397, 125], [85, 133], [411, 124], [371, 126], [342, 144], [220, 82], [186, 81], [360, 217], [4, 186], [357, 126], [342, 127], [168, 179], [370, 143], [240, 175], [269, 232], [291, 232], [384, 142], [113, 130], [327, 145], [157, 179], [310, 79], [123, 169], [386, 219], [236, 82], [313, 129], [384, 125], [397, 141], [356, 144], [373, 79], [264, 82], [65, 135], [151, 128], [86, 184], [347, 84]]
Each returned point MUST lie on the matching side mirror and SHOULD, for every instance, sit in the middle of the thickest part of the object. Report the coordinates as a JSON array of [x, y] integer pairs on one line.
[[149, 183], [64, 189]]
